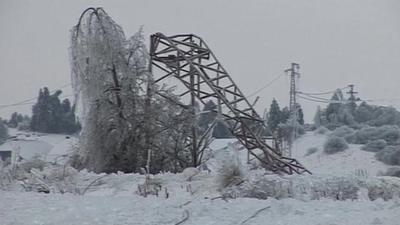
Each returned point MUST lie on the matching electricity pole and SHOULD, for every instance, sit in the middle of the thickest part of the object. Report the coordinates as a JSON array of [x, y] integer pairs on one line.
[[352, 93], [293, 72]]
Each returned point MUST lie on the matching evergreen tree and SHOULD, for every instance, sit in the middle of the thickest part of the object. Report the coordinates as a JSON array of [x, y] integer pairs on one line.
[[285, 114], [3, 131], [69, 122], [363, 113], [300, 114], [318, 117], [49, 115], [333, 108], [209, 114], [274, 115], [15, 119], [221, 130]]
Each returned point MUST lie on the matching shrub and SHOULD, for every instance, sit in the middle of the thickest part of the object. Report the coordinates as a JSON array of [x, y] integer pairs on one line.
[[332, 126], [311, 151], [230, 171], [35, 163], [345, 132], [365, 134], [392, 171], [335, 144], [375, 146], [389, 155], [321, 130], [24, 125], [391, 134]]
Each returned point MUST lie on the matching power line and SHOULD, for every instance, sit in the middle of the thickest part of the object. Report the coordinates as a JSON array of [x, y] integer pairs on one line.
[[31, 100], [323, 93], [381, 100], [321, 101], [265, 86], [314, 97]]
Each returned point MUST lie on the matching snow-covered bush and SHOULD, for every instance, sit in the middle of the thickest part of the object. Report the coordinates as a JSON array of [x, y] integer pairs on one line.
[[365, 134], [321, 130], [391, 134], [389, 155], [382, 188], [35, 163], [53, 179], [375, 146], [392, 171], [314, 187], [382, 115], [311, 151], [230, 171], [24, 125], [335, 144], [344, 132]]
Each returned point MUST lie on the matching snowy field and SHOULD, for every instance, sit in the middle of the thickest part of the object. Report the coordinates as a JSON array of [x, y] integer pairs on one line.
[[350, 161], [113, 199]]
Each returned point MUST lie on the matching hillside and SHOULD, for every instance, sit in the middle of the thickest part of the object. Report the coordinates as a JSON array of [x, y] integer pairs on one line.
[[352, 160]]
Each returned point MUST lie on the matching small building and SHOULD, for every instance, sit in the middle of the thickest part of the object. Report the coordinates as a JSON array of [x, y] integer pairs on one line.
[[6, 155]]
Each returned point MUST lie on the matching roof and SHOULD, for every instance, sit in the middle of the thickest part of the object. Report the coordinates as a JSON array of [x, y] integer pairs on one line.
[[27, 148]]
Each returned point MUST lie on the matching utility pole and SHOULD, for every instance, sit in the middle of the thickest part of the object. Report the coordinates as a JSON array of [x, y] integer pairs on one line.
[[352, 94], [352, 100], [293, 72]]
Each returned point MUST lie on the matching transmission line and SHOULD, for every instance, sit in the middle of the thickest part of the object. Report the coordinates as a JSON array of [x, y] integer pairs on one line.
[[31, 100], [265, 86], [321, 101], [324, 93]]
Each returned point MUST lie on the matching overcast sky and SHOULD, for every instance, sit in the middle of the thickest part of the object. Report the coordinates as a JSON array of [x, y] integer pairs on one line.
[[335, 42]]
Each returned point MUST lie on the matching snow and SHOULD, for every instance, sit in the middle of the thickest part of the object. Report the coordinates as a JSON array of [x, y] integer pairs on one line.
[[49, 146], [116, 203], [113, 199], [27, 149], [352, 160]]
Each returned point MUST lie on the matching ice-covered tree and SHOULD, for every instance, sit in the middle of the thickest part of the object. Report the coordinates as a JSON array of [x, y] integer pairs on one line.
[[15, 119], [300, 114], [274, 115], [3, 131], [49, 115], [285, 114], [105, 72], [128, 122], [208, 116], [318, 117]]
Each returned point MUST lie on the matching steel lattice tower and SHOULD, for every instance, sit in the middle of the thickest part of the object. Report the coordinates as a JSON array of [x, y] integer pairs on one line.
[[188, 58]]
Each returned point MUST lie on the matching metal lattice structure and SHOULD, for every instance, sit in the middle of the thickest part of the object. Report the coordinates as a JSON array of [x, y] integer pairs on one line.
[[188, 58]]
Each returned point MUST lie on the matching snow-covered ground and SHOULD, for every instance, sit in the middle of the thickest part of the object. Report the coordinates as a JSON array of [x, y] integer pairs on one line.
[[113, 198], [352, 160], [50, 147]]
